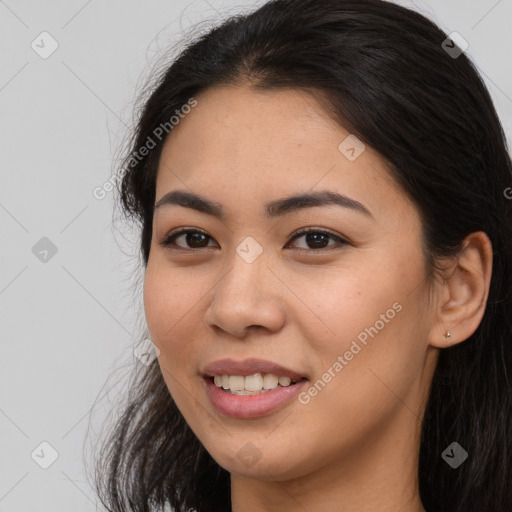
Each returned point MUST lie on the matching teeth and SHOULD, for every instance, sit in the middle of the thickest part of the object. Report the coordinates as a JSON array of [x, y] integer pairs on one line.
[[270, 381], [236, 383], [251, 384], [284, 381]]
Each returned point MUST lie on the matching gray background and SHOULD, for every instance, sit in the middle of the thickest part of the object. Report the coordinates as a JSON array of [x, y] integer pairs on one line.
[[70, 322]]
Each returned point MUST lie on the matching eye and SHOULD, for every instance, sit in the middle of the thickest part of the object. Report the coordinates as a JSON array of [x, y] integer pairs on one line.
[[317, 239], [194, 237]]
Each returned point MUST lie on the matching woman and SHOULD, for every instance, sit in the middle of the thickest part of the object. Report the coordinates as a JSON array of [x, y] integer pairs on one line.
[[327, 252]]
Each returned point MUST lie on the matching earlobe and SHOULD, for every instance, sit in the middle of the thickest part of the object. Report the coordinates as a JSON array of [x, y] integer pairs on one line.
[[462, 297]]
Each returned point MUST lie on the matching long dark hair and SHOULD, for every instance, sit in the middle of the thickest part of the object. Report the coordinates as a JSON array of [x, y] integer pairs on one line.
[[384, 73]]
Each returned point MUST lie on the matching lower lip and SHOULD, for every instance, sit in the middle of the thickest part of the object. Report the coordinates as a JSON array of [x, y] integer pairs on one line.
[[251, 406]]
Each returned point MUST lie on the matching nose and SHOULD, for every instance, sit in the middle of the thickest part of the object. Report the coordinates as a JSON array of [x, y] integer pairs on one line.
[[248, 296]]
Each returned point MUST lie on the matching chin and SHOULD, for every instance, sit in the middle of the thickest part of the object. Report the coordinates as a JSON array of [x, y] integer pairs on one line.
[[261, 460]]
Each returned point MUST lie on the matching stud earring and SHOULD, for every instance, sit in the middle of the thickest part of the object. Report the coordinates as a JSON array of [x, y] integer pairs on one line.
[[447, 335]]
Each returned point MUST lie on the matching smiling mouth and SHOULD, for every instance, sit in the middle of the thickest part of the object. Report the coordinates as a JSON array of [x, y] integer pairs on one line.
[[255, 384]]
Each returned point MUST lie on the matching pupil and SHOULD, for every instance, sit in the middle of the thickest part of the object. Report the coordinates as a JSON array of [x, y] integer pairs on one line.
[[315, 238], [196, 237]]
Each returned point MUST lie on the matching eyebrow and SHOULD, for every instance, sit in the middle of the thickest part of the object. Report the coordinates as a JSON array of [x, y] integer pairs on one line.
[[276, 208]]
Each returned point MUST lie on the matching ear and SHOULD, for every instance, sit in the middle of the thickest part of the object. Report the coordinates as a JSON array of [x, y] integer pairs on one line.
[[462, 297]]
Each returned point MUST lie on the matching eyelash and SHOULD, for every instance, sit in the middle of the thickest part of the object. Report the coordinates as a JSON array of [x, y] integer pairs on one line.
[[168, 241]]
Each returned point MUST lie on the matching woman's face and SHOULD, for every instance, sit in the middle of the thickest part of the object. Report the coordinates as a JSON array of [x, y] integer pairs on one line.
[[344, 310]]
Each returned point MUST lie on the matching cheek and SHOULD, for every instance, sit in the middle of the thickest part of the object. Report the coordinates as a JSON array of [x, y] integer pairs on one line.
[[168, 299], [358, 388], [364, 325], [168, 305], [338, 308], [158, 301], [173, 304]]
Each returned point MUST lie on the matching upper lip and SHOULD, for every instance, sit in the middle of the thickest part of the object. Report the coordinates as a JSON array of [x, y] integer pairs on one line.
[[249, 367]]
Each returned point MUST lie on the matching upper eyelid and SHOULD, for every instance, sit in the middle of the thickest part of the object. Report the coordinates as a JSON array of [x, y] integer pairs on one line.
[[305, 231]]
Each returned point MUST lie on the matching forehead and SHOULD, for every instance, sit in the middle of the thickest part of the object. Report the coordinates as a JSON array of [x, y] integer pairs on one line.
[[242, 144]]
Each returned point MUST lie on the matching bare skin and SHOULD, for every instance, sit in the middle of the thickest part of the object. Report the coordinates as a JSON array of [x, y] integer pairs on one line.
[[354, 445]]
